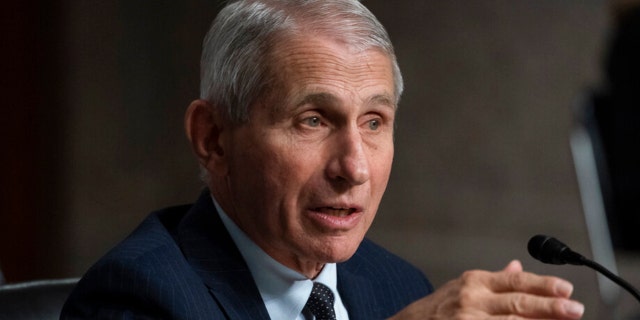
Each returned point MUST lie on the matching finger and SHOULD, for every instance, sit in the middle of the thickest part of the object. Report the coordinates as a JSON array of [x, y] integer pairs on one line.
[[530, 283], [513, 266], [530, 306]]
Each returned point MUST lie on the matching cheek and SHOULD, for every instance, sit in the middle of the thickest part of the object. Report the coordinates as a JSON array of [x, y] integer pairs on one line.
[[272, 171], [381, 164], [249, 174]]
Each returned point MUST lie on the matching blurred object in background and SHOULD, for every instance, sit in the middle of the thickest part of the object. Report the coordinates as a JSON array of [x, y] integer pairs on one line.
[[617, 112], [607, 159], [32, 125], [611, 114]]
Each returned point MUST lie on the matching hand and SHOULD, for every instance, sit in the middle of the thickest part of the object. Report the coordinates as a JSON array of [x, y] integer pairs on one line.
[[507, 294]]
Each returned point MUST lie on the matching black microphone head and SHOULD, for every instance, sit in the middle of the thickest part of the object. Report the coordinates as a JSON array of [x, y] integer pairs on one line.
[[551, 250]]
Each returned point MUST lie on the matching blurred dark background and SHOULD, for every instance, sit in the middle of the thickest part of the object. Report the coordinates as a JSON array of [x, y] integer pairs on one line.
[[94, 94]]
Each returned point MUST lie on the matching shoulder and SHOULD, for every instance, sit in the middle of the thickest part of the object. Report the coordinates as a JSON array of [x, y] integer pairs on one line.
[[144, 274], [387, 271], [384, 261], [375, 283], [157, 231], [151, 241]]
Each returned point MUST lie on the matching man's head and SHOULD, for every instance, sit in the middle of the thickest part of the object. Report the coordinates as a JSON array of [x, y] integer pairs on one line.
[[235, 67], [295, 124]]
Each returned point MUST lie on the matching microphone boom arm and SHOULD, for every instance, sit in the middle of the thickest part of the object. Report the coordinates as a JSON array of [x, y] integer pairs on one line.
[[621, 282], [550, 250]]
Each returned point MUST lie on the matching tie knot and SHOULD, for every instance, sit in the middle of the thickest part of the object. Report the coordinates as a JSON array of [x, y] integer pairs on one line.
[[320, 302]]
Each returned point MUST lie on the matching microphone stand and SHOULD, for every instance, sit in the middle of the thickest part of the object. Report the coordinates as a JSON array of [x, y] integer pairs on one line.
[[621, 282], [550, 250]]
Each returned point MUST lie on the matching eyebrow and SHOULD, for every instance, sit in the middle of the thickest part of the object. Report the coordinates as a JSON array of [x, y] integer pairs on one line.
[[383, 99], [321, 98]]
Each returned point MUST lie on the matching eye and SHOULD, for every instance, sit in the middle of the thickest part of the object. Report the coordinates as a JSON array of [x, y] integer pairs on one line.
[[313, 121], [374, 124]]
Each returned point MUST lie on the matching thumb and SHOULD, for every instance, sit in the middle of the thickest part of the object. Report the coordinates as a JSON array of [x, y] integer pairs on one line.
[[513, 266]]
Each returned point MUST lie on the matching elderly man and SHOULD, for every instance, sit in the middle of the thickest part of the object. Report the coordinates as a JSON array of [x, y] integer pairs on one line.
[[294, 134]]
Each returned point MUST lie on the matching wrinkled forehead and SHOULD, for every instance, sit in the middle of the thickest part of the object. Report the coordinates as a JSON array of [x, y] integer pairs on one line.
[[323, 64]]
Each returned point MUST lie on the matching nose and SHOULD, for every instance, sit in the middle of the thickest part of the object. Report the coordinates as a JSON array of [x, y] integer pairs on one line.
[[349, 162]]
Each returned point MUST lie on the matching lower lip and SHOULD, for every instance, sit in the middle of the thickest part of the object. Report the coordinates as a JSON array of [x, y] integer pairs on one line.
[[335, 223]]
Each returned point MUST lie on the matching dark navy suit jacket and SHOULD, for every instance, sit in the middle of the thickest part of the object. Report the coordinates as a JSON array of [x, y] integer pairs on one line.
[[181, 263]]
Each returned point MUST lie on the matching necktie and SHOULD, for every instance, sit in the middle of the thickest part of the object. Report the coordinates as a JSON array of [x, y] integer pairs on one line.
[[320, 302]]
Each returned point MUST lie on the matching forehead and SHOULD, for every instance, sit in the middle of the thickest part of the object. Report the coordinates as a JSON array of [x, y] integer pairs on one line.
[[318, 63]]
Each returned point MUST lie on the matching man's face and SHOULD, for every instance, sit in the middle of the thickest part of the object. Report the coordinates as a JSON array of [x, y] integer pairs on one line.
[[307, 171]]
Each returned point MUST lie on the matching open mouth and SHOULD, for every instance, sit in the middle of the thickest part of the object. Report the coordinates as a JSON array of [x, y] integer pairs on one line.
[[336, 219], [336, 212]]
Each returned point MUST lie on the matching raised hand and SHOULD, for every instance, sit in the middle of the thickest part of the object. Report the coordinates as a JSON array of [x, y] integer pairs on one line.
[[507, 294]]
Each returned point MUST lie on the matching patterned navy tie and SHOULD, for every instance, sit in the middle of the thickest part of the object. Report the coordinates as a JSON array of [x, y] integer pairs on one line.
[[320, 302]]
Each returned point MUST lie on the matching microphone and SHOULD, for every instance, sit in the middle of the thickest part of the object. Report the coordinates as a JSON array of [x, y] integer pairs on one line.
[[552, 251]]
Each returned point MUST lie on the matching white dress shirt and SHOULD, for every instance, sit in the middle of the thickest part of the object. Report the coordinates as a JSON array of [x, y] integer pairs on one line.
[[283, 290]]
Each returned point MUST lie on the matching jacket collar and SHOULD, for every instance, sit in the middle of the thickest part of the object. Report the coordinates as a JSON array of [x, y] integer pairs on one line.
[[211, 252], [357, 291]]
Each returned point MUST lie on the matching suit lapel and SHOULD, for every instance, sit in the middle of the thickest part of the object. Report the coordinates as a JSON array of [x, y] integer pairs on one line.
[[213, 255], [356, 292]]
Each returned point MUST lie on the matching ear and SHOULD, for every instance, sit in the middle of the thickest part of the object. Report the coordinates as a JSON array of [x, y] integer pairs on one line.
[[204, 126]]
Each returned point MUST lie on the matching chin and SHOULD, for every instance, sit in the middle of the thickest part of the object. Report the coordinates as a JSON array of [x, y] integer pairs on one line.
[[337, 251]]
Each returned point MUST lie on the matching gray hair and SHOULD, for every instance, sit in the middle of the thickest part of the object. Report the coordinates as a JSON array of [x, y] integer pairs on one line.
[[235, 69]]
